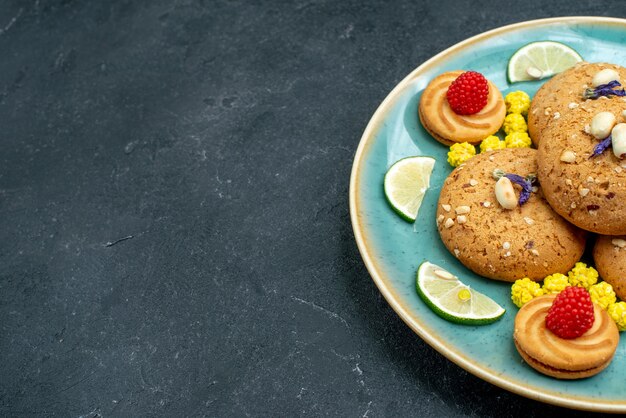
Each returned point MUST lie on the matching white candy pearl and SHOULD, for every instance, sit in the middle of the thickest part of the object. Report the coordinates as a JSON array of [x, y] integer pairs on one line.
[[505, 194], [618, 140], [601, 124], [604, 77]]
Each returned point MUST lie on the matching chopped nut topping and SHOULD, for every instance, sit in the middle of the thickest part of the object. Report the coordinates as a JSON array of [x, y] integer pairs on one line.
[[618, 169], [590, 179], [573, 205], [473, 182], [568, 182], [528, 220], [568, 156], [534, 252], [573, 105], [446, 207], [507, 254], [618, 242], [461, 219], [457, 252], [461, 210], [583, 191], [449, 222], [491, 158], [486, 203], [547, 111], [440, 219], [557, 115], [587, 128], [506, 245]]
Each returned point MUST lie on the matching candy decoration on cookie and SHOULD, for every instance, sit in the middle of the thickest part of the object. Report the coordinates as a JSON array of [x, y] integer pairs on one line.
[[503, 190], [571, 313], [468, 93], [606, 90], [603, 126], [600, 128], [618, 140]]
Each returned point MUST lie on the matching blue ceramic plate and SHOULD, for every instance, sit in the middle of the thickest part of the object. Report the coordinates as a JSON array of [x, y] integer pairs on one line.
[[393, 249]]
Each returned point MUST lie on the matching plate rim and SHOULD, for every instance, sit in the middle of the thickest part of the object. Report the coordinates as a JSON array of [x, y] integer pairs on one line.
[[421, 329]]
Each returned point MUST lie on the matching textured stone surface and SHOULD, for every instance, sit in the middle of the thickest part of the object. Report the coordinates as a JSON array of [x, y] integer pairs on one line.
[[219, 135]]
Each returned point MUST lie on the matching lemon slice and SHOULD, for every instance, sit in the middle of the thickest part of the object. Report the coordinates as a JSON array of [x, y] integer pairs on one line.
[[406, 183], [538, 60], [453, 300]]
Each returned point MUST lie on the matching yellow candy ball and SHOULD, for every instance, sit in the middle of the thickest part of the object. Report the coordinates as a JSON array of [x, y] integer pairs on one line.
[[514, 122], [460, 152], [517, 140], [491, 143], [517, 102]]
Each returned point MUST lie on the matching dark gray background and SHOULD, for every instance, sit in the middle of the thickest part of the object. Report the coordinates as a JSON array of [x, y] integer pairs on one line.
[[220, 136]]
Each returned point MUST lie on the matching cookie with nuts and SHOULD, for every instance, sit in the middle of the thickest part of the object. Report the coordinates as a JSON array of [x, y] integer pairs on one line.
[[481, 222], [582, 166], [563, 94], [609, 255]]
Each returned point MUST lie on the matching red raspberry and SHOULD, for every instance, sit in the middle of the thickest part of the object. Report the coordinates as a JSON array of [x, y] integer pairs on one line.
[[571, 313], [468, 93]]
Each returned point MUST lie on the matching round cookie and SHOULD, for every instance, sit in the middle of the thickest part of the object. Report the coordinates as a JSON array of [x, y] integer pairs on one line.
[[563, 93], [609, 256], [554, 356], [528, 241], [590, 192], [446, 126]]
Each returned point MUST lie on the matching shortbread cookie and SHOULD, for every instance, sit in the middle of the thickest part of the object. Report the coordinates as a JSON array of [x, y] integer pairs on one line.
[[563, 94], [609, 256], [446, 126], [554, 356], [589, 191], [527, 241]]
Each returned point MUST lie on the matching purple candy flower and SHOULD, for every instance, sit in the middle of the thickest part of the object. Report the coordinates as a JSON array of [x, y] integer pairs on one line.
[[602, 146], [525, 182], [607, 89]]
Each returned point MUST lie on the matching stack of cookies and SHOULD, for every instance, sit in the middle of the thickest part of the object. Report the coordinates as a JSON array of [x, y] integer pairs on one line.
[[581, 165], [520, 213]]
